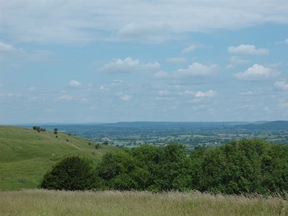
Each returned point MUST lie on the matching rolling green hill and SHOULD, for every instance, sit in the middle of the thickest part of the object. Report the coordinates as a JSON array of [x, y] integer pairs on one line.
[[26, 155]]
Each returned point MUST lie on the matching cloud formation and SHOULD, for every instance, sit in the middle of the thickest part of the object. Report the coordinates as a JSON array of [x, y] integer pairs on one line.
[[82, 21], [176, 60], [189, 49], [4, 47], [247, 49], [281, 85], [125, 97], [127, 65], [197, 69], [143, 60], [254, 73], [74, 83], [199, 94]]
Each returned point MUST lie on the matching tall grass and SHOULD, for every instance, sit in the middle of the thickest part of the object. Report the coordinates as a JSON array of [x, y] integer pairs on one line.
[[42, 202]]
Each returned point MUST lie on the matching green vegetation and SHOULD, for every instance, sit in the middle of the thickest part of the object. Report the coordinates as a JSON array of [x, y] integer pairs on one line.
[[26, 155], [72, 173], [246, 166], [42, 202]]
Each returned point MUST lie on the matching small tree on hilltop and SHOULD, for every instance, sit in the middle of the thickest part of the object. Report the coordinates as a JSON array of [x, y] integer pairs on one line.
[[56, 131]]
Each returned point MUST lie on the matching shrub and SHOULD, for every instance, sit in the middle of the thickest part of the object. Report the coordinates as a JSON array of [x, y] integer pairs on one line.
[[72, 173]]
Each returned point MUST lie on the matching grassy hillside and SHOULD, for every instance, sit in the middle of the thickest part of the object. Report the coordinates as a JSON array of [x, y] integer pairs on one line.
[[26, 155], [41, 202]]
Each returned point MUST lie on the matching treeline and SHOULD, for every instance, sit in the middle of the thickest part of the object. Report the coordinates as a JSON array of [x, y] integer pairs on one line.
[[246, 166], [39, 129]]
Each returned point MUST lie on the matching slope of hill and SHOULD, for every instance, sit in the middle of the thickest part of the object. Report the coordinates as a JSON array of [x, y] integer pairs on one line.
[[266, 126], [26, 155]]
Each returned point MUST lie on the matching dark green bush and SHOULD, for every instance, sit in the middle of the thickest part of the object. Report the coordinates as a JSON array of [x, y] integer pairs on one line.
[[72, 173]]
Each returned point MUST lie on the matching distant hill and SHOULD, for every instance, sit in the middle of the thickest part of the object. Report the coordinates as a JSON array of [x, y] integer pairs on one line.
[[267, 126], [26, 155]]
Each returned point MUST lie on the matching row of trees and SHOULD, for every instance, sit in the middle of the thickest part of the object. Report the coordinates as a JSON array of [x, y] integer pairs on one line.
[[39, 129], [246, 166]]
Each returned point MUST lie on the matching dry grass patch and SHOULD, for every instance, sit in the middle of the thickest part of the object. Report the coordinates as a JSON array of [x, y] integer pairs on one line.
[[43, 202]]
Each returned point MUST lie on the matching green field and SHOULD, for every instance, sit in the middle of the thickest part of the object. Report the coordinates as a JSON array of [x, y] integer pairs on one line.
[[42, 202], [26, 155]]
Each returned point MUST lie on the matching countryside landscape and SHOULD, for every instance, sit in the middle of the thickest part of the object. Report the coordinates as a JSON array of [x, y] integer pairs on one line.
[[29, 153], [132, 107], [189, 134]]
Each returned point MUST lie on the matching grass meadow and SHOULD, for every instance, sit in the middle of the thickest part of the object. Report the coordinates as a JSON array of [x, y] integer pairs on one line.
[[26, 155], [43, 202]]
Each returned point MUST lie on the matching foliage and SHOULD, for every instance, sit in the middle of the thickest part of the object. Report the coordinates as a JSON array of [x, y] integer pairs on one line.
[[39, 129], [246, 166], [72, 173], [146, 168]]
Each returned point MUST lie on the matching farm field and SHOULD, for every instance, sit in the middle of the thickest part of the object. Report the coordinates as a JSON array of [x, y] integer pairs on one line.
[[42, 202], [189, 134]]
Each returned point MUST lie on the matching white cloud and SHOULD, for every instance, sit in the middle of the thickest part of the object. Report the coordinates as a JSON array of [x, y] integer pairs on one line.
[[247, 49], [117, 83], [254, 73], [189, 49], [163, 92], [235, 61], [127, 65], [209, 93], [161, 74], [281, 85], [65, 97], [247, 93], [142, 31], [286, 41], [176, 60], [125, 97], [199, 94], [78, 21], [4, 47], [74, 83], [238, 61], [104, 88], [197, 69], [283, 105], [187, 92]]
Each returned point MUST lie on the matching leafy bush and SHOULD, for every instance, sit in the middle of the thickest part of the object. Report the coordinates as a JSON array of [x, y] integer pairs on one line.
[[72, 173]]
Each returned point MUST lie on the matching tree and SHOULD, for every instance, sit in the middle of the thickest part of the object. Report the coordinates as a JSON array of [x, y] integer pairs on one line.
[[233, 168], [114, 169], [39, 129], [56, 131], [72, 173], [174, 169]]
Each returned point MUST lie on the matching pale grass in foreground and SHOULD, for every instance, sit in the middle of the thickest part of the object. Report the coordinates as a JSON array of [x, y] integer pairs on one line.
[[43, 202]]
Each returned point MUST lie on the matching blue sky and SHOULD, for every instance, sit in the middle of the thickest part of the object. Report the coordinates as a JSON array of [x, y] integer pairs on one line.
[[107, 61]]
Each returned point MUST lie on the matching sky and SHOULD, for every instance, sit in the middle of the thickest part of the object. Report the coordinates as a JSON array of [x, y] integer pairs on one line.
[[82, 61]]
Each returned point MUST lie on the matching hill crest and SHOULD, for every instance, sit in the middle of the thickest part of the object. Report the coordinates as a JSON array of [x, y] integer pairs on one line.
[[26, 155]]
